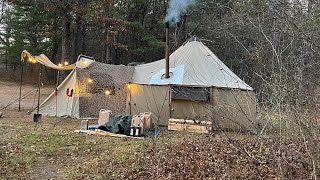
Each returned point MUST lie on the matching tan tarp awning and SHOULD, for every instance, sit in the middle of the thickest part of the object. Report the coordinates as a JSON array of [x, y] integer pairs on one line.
[[43, 59]]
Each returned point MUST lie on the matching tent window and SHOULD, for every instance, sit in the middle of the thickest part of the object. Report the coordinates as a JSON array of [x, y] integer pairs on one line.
[[190, 93]]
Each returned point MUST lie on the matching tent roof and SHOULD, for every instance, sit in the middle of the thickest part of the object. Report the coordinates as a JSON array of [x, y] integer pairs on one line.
[[193, 64]]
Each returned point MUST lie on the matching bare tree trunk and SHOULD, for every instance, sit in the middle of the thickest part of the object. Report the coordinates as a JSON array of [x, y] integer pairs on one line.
[[78, 41], [180, 32], [65, 36], [108, 58], [7, 46]]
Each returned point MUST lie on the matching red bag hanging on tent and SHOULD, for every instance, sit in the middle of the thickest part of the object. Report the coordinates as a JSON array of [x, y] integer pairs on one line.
[[71, 93]]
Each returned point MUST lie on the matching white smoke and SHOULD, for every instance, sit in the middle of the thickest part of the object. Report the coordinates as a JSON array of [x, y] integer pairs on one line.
[[176, 8]]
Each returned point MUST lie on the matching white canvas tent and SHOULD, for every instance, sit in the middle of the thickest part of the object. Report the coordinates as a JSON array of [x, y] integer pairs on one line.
[[61, 104], [200, 86]]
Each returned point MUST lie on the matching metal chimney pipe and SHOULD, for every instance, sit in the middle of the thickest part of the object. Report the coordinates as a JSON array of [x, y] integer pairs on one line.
[[167, 53]]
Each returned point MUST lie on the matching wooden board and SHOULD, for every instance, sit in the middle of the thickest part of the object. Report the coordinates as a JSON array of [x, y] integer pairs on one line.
[[189, 126], [105, 133], [187, 121]]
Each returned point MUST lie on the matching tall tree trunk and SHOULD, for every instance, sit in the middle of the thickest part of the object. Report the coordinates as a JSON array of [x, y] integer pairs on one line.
[[180, 34], [78, 41], [65, 37], [53, 57], [7, 42], [108, 58]]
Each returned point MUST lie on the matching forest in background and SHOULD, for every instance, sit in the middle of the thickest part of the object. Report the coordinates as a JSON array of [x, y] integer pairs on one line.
[[273, 45]]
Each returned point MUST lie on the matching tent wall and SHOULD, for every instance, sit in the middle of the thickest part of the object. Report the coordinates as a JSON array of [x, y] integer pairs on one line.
[[103, 78], [91, 103], [185, 109], [147, 98], [234, 110], [62, 105], [228, 109]]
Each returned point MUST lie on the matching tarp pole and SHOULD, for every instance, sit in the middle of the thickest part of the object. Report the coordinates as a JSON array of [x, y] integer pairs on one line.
[[58, 74], [20, 85], [39, 87], [130, 98]]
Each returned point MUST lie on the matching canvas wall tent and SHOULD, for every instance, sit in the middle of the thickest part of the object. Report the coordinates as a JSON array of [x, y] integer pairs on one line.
[[95, 86], [200, 87]]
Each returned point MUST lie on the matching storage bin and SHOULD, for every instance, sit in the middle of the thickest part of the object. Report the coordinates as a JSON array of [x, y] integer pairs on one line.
[[104, 117]]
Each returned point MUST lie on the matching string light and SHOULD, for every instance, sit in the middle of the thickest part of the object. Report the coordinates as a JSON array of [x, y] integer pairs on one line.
[[66, 63], [128, 86], [90, 80], [59, 64], [107, 92], [34, 61]]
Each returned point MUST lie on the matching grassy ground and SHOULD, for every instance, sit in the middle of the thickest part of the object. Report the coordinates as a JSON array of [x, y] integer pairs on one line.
[[51, 150], [45, 151]]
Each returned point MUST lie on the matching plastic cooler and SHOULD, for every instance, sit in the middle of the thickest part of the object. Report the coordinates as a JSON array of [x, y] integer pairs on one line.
[[137, 121]]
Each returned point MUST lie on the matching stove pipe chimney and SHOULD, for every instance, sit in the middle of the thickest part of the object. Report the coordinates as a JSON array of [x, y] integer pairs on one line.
[[167, 54]]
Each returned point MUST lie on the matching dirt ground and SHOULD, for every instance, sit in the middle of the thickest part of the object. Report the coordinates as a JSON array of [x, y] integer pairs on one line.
[[9, 93], [51, 150]]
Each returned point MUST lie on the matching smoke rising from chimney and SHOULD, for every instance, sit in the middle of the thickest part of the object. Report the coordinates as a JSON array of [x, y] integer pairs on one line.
[[176, 8]]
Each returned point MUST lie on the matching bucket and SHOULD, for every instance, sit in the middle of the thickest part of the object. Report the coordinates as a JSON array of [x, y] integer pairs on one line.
[[37, 117], [84, 125], [132, 130], [137, 131], [104, 117], [137, 120]]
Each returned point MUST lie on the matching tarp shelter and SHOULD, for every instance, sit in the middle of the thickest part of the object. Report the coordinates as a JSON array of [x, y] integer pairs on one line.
[[200, 87], [44, 60], [94, 85]]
